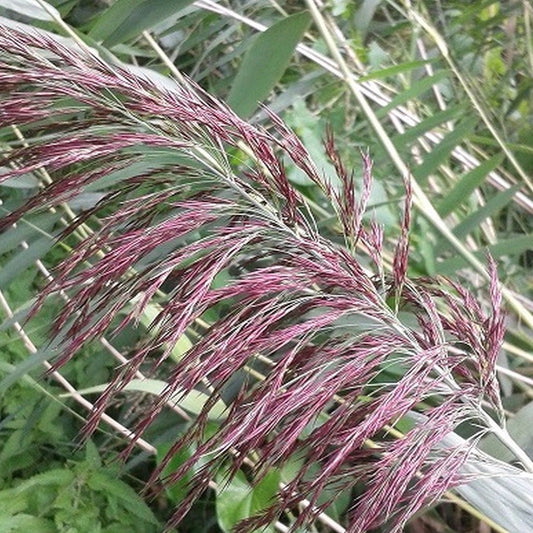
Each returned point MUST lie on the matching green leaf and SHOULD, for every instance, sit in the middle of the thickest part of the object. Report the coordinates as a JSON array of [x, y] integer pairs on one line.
[[496, 203], [511, 247], [193, 401], [265, 62], [12, 502], [18, 316], [393, 71], [425, 246], [30, 363], [24, 259], [178, 490], [24, 181], [126, 19], [419, 87], [467, 184], [508, 500], [92, 457], [428, 124], [22, 523], [237, 500], [150, 313], [32, 9], [440, 153], [505, 498], [58, 476], [337, 499], [516, 147], [309, 128], [27, 228], [129, 499], [364, 16], [520, 427]]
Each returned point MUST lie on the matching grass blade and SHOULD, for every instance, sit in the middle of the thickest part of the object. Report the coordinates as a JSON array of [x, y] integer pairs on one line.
[[418, 88], [126, 19], [265, 62], [511, 247], [494, 204], [466, 186], [443, 150]]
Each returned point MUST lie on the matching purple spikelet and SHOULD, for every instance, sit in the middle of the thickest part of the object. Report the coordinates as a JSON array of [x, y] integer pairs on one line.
[[401, 255]]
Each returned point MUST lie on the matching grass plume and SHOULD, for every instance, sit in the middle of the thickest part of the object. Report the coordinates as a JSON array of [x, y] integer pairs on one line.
[[328, 351]]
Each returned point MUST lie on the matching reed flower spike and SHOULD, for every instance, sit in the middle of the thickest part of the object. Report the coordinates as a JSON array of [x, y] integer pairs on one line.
[[316, 352]]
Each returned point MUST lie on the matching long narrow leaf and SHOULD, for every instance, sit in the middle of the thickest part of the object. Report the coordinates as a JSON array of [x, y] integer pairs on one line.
[[467, 185], [264, 63], [126, 19]]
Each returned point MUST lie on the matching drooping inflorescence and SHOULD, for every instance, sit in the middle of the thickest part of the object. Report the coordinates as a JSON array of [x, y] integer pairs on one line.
[[295, 333]]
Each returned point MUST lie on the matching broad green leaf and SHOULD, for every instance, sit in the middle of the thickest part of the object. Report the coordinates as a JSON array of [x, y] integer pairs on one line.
[[85, 200], [126, 19], [12, 502], [516, 147], [496, 203], [265, 62], [58, 476], [506, 499], [149, 314], [425, 246], [364, 16], [92, 456], [467, 184], [178, 490], [338, 499], [65, 41], [237, 500], [32, 9], [159, 160], [502, 493], [419, 87], [6, 368], [291, 468], [512, 246], [18, 316], [25, 181], [233, 501], [309, 128], [440, 153], [193, 401]]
